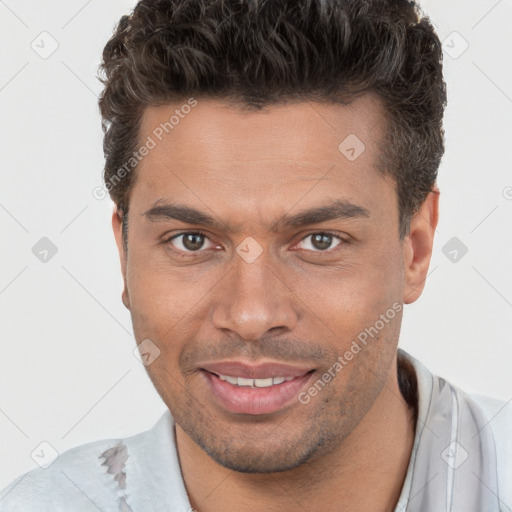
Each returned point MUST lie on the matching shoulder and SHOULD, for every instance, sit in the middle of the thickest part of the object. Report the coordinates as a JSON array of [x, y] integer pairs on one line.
[[498, 414], [90, 477], [76, 477], [462, 415]]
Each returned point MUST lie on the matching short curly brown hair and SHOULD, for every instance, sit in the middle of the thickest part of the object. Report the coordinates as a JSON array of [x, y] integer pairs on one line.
[[262, 52]]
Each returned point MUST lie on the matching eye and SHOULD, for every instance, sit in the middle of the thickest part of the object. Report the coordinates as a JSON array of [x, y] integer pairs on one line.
[[320, 242], [191, 241]]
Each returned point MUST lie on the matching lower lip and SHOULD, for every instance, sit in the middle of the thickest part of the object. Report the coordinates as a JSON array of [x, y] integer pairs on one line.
[[247, 400]]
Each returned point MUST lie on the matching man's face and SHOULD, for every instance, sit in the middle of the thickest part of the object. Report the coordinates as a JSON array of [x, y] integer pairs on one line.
[[254, 287]]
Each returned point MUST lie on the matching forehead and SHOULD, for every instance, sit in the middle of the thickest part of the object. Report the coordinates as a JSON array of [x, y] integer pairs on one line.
[[214, 128], [212, 151]]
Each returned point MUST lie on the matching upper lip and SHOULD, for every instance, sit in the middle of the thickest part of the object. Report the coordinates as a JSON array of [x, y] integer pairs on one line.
[[255, 371]]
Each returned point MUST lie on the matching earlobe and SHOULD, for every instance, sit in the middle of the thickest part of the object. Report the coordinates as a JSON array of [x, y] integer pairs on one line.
[[117, 226], [417, 247], [125, 297]]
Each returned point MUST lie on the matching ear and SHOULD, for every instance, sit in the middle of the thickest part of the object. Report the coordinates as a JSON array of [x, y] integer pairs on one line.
[[117, 226], [417, 247]]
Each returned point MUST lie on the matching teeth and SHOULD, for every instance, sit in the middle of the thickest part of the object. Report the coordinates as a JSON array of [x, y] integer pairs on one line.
[[251, 383], [263, 383]]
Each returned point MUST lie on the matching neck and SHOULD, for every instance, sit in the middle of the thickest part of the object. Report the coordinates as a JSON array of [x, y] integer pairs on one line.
[[365, 472]]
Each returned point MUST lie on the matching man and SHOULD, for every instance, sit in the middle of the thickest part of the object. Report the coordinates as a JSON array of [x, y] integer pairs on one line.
[[273, 167]]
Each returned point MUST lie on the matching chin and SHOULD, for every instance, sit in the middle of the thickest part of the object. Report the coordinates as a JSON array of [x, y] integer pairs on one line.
[[271, 454], [258, 461]]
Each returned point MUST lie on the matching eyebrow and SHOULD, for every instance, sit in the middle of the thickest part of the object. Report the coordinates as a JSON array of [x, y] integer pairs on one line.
[[333, 210]]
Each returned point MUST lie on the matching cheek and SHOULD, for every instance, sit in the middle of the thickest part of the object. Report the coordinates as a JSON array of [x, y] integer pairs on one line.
[[380, 276], [165, 302], [360, 289]]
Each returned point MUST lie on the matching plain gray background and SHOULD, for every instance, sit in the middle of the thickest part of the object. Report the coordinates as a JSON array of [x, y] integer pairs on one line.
[[68, 373]]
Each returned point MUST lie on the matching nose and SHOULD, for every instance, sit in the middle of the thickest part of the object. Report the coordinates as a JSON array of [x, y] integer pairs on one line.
[[254, 300]]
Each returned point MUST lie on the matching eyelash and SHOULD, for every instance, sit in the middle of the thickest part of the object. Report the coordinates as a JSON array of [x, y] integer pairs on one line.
[[342, 241], [168, 241], [328, 251]]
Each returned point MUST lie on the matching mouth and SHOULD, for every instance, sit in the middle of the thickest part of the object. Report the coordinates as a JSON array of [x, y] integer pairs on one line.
[[265, 394], [254, 383]]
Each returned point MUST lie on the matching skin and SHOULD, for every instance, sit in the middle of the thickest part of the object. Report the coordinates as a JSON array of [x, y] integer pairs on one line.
[[349, 447]]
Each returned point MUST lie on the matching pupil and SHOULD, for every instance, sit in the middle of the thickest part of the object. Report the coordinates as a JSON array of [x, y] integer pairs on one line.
[[322, 241], [193, 241]]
